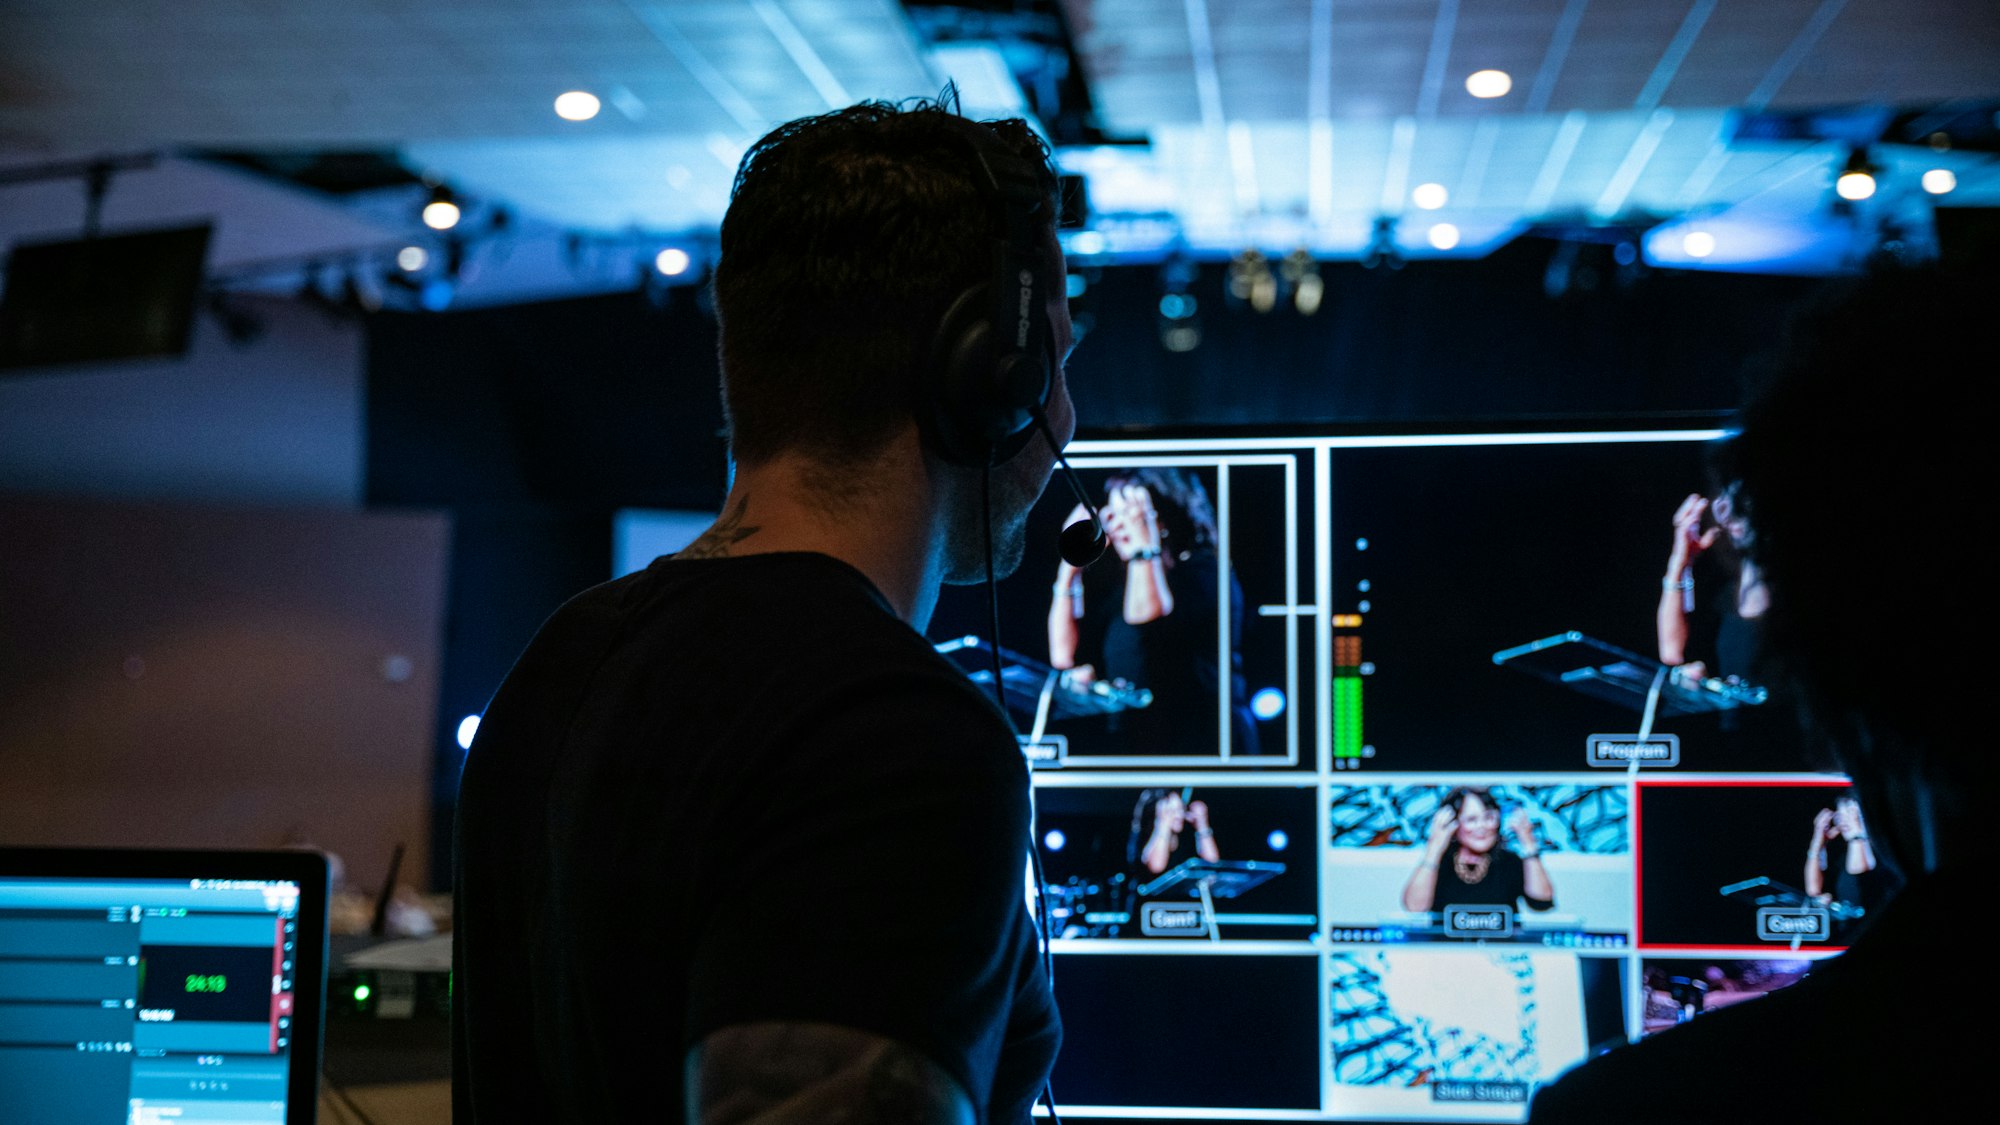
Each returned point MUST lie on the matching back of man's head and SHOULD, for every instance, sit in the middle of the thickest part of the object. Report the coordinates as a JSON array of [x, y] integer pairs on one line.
[[848, 235], [1864, 466]]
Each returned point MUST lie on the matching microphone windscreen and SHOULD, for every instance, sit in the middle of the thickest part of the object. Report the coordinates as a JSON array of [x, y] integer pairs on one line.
[[1082, 543]]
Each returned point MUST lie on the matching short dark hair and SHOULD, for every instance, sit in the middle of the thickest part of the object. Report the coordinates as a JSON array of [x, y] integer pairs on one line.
[[1863, 466], [847, 237]]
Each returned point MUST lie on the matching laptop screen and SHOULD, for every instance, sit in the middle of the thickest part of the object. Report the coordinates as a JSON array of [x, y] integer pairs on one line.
[[142, 987]]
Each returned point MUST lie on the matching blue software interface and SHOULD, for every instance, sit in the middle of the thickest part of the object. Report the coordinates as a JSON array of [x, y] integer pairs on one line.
[[146, 1000]]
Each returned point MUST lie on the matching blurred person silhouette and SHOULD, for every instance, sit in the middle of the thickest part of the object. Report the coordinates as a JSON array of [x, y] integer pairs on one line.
[[1862, 467]]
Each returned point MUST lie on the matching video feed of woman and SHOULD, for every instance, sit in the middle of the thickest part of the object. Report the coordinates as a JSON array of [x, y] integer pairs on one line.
[[1179, 861], [1184, 645], [1462, 1034], [1432, 860], [1795, 869], [1679, 989], [1509, 602]]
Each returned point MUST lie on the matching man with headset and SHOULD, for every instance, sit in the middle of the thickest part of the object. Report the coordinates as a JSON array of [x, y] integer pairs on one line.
[[733, 841]]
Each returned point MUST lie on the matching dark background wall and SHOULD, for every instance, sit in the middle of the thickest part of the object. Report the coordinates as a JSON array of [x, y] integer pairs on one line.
[[533, 424]]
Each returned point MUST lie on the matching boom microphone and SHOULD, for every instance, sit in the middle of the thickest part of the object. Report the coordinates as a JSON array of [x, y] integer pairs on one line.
[[1084, 541]]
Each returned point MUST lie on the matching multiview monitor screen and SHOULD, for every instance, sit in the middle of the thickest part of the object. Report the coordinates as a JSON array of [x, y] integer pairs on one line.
[[1388, 776]]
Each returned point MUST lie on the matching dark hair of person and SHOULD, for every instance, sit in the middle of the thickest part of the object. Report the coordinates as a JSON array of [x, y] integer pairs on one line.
[[847, 237], [1186, 516], [1864, 466], [1454, 798]]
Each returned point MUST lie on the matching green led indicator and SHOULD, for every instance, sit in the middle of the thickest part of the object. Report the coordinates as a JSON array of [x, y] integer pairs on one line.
[[1346, 716], [201, 982], [361, 993]]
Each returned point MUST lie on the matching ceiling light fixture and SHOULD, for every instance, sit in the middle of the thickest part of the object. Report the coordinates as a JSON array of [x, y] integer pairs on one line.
[[1698, 243], [577, 105], [442, 211], [1430, 197], [410, 259], [1488, 83], [1382, 245], [1857, 177], [1302, 274], [672, 262], [1938, 181], [1443, 236]]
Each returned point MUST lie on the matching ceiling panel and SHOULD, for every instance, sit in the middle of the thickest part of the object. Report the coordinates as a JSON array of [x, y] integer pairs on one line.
[[1225, 90]]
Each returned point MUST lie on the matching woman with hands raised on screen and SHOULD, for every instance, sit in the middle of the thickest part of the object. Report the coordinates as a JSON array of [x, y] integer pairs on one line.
[[1464, 863]]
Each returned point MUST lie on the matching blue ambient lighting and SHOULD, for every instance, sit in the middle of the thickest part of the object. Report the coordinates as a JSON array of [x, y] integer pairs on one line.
[[1268, 703]]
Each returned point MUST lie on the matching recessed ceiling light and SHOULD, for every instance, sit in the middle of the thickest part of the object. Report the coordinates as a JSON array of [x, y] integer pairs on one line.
[[441, 214], [1854, 185], [1488, 83], [577, 105], [673, 261], [1430, 197], [1698, 244], [1444, 236], [1937, 181]]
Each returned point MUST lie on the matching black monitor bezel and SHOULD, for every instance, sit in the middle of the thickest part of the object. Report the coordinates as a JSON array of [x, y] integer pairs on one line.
[[308, 869]]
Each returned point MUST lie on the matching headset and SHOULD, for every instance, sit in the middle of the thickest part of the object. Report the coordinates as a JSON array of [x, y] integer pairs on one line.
[[986, 391], [992, 362]]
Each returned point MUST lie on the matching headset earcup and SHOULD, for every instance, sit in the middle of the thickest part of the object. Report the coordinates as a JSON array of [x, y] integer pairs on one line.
[[976, 408]]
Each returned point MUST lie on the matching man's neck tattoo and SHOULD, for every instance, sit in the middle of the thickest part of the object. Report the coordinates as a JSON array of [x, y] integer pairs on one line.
[[728, 531]]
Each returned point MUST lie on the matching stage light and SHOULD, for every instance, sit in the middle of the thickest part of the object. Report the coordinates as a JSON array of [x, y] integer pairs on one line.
[[1698, 243], [1277, 840], [1857, 177], [1179, 330], [1488, 83], [1443, 236], [672, 262], [1938, 181], [410, 259], [467, 727], [577, 105], [1268, 703], [1301, 272], [441, 212], [1055, 840], [1251, 280], [1382, 245], [1430, 197]]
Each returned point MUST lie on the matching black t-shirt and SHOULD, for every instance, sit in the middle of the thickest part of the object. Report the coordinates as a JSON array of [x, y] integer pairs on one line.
[[1176, 657], [727, 791], [1504, 884]]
